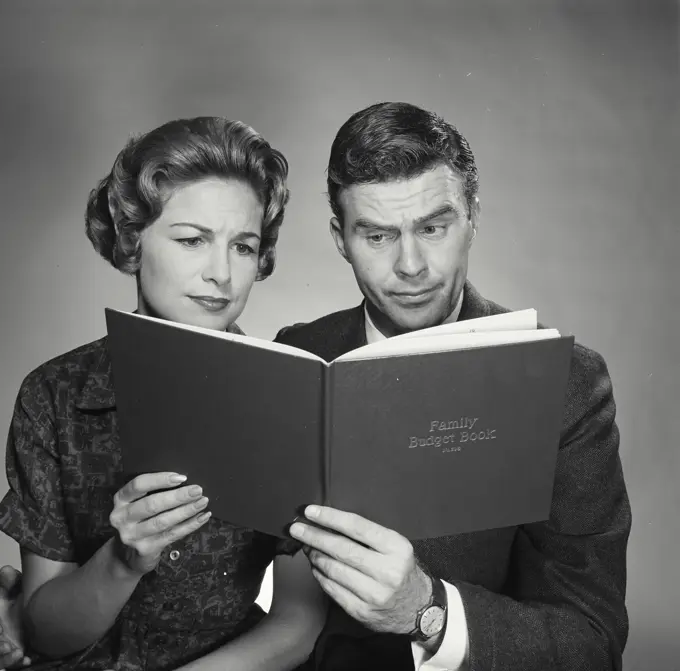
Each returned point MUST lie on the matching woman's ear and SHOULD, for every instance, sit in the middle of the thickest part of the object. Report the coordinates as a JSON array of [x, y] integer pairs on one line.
[[113, 212]]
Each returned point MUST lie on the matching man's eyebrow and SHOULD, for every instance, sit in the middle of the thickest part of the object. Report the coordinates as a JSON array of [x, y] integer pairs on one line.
[[439, 212], [367, 223]]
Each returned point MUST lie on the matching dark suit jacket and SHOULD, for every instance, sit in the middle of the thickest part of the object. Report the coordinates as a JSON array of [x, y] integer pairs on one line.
[[539, 597]]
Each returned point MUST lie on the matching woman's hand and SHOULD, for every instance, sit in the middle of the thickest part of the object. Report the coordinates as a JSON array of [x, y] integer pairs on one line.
[[147, 523], [11, 641]]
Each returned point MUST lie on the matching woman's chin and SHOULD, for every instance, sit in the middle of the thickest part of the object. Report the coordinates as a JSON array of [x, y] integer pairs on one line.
[[207, 320], [213, 322]]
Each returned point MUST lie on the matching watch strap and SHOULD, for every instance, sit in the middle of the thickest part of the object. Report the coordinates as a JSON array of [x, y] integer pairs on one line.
[[438, 598]]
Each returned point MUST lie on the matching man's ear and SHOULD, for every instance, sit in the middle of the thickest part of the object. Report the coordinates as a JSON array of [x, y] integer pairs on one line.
[[338, 237], [475, 212]]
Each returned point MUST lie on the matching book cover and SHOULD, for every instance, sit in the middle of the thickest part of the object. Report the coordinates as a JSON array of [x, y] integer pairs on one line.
[[434, 435]]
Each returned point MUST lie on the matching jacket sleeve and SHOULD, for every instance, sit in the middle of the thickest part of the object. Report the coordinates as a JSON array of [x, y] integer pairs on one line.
[[563, 606], [286, 334]]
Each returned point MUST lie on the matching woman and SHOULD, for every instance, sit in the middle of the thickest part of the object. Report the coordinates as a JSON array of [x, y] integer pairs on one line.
[[137, 575]]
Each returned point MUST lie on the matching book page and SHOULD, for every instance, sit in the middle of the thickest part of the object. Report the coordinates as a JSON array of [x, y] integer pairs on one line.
[[447, 343], [519, 320], [235, 337]]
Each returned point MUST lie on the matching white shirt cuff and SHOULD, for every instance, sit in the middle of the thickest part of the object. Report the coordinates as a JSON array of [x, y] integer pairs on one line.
[[452, 654]]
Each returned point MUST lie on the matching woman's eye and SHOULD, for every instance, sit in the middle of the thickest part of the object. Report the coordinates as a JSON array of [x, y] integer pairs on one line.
[[244, 249], [190, 242]]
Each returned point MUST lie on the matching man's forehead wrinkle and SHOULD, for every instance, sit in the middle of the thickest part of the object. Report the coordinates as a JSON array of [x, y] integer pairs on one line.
[[388, 200], [398, 202], [404, 204], [389, 209]]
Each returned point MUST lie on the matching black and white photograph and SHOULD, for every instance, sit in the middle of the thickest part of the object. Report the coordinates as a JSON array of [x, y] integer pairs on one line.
[[340, 335]]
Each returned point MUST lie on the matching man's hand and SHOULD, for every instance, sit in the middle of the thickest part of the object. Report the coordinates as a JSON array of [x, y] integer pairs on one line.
[[11, 643], [369, 571], [147, 523]]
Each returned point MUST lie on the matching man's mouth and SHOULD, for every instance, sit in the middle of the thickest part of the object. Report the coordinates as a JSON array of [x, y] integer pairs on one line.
[[414, 297]]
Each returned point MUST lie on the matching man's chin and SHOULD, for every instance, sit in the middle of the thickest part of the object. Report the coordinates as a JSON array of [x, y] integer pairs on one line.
[[394, 319], [413, 321]]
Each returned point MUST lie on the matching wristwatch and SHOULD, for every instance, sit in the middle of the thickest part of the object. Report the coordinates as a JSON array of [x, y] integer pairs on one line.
[[431, 618]]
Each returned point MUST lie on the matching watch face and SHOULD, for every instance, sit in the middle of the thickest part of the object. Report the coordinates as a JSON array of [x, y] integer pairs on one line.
[[432, 621]]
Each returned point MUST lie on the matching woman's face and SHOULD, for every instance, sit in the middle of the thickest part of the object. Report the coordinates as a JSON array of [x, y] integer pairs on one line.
[[199, 259]]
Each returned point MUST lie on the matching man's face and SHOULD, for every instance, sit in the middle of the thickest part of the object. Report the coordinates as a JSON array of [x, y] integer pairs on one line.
[[407, 242]]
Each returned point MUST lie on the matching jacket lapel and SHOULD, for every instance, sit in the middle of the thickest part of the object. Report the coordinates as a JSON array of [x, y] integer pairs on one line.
[[350, 335], [474, 304]]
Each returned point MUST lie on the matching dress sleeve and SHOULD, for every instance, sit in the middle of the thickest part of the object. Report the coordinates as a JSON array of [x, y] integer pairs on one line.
[[32, 511]]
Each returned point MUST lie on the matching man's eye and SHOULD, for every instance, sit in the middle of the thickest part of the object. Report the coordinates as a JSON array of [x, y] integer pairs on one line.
[[377, 237], [190, 242], [433, 230]]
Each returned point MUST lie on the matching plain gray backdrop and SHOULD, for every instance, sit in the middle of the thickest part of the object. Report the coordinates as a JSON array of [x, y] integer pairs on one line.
[[570, 109]]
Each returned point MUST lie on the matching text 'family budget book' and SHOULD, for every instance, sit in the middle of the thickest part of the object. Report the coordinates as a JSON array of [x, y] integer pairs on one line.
[[442, 431]]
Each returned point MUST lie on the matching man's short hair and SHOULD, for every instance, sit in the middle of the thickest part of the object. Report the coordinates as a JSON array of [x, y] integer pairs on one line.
[[395, 140]]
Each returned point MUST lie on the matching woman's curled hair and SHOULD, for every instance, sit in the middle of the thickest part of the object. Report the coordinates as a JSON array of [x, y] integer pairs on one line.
[[132, 195]]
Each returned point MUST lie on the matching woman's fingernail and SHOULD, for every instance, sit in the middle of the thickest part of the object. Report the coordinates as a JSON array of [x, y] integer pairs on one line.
[[201, 503], [177, 478]]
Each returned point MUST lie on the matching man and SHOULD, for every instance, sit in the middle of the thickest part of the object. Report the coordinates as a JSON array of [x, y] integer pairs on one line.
[[402, 185]]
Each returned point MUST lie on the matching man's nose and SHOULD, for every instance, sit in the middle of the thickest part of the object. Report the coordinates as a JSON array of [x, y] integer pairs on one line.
[[410, 261]]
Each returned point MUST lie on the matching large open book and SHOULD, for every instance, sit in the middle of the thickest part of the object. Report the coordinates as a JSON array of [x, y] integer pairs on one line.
[[442, 431]]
